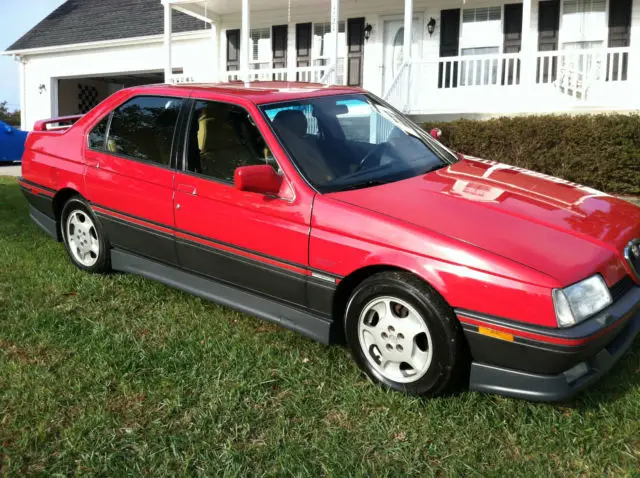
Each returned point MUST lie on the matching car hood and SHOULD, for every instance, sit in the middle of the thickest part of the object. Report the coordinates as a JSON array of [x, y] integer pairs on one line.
[[562, 229]]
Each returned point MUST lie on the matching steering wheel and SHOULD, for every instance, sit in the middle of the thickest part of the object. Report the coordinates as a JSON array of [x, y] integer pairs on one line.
[[374, 153]]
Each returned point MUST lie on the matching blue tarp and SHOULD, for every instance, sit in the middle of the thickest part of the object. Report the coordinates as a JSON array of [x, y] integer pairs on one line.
[[11, 143]]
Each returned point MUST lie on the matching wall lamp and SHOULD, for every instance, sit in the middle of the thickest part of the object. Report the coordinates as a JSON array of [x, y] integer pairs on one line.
[[431, 26], [367, 31], [42, 88]]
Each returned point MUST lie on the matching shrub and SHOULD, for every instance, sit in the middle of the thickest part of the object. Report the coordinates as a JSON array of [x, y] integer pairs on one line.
[[601, 151]]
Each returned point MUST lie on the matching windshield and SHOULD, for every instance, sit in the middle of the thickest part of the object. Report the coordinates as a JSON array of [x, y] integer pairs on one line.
[[353, 141]]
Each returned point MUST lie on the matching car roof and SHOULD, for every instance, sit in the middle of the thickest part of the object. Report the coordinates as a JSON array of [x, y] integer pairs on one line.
[[259, 92]]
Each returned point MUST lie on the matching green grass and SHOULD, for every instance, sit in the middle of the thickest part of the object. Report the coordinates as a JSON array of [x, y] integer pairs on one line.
[[119, 375]]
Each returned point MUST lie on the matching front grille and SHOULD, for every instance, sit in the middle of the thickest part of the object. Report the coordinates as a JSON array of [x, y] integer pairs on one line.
[[621, 287], [632, 254]]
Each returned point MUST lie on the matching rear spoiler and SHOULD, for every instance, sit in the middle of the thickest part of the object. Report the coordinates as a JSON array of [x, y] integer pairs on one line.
[[53, 124]]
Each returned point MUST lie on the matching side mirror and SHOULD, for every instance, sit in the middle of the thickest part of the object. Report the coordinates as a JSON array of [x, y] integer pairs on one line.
[[436, 133], [261, 179]]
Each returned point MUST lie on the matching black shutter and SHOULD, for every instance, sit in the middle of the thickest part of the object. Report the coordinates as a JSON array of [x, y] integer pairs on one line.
[[548, 26], [449, 46], [303, 44], [619, 23], [279, 45], [233, 50], [512, 28], [512, 31], [355, 50], [619, 37]]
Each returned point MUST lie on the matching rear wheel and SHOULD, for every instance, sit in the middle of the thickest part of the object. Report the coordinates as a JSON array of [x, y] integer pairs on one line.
[[83, 237], [403, 335]]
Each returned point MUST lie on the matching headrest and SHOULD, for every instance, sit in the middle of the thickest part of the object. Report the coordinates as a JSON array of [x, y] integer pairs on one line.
[[292, 121], [212, 110]]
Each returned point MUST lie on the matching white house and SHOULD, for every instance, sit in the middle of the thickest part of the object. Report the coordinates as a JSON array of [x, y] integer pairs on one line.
[[465, 57]]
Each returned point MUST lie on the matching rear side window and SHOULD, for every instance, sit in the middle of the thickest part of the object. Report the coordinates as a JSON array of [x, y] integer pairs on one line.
[[98, 135], [143, 128]]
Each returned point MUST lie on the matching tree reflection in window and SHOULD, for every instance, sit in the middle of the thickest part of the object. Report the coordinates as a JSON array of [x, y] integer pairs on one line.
[[143, 128]]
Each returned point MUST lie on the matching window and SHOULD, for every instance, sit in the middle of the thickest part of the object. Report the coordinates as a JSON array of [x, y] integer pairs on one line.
[[486, 50], [359, 142], [322, 47], [471, 15], [481, 31], [261, 47], [584, 24], [143, 128], [323, 40], [223, 137], [98, 134]]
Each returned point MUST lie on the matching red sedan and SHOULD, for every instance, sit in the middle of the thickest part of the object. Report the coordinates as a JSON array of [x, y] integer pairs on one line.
[[325, 210]]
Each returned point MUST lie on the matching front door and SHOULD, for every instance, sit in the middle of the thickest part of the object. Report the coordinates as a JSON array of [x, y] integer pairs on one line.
[[393, 44], [256, 242]]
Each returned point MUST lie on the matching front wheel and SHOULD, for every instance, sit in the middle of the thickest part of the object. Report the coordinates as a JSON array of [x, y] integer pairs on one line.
[[403, 335], [83, 237]]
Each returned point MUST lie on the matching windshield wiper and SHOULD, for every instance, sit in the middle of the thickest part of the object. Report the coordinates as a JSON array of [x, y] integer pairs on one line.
[[365, 184]]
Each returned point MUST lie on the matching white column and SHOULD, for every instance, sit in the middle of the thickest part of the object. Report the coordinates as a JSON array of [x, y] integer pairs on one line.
[[408, 24], [335, 33], [168, 71], [408, 40], [245, 31], [292, 57], [23, 94], [527, 47], [215, 73]]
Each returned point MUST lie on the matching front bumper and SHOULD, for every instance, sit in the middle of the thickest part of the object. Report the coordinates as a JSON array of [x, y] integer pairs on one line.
[[550, 365]]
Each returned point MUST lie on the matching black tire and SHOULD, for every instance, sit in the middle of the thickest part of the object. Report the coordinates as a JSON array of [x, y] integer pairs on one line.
[[102, 262], [450, 358]]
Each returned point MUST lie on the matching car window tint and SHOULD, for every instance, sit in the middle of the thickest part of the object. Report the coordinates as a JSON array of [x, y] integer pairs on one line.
[[223, 137], [143, 128], [98, 134]]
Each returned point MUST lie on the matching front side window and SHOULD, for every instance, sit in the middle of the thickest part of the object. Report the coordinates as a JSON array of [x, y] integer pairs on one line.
[[98, 135], [223, 137], [143, 128], [353, 141]]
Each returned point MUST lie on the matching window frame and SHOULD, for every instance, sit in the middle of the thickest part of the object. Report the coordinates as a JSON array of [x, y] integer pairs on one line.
[[500, 45], [174, 140], [183, 159], [604, 30], [108, 117], [257, 64]]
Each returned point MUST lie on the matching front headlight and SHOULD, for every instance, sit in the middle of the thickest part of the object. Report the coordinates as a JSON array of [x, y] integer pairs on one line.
[[580, 301]]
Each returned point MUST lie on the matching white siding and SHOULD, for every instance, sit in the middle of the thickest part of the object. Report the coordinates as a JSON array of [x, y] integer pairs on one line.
[[189, 54], [634, 60]]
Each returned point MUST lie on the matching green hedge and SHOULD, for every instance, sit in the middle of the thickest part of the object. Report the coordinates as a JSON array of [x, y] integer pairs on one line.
[[601, 151]]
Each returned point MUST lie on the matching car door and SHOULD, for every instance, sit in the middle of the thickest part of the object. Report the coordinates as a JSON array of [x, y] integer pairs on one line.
[[129, 174], [250, 240]]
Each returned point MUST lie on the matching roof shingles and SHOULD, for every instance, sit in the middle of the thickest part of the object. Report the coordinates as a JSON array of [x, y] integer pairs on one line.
[[82, 21]]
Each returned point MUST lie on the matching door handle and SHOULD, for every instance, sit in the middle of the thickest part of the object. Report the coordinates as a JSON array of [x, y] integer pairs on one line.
[[187, 188]]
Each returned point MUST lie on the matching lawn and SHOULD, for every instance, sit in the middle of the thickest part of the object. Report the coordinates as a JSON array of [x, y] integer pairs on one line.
[[119, 375]]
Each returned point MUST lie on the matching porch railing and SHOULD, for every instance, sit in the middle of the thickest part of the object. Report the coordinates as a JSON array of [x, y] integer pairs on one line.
[[396, 93], [479, 70], [308, 74], [573, 72]]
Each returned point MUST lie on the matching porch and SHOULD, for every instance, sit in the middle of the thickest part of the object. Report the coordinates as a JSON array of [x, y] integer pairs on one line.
[[493, 59]]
